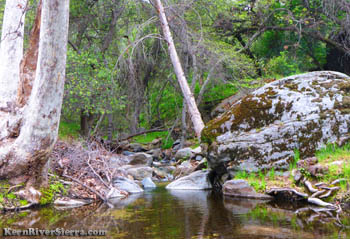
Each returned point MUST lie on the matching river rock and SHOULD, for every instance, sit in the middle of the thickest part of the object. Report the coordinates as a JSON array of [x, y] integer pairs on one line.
[[195, 181], [127, 185], [148, 183], [115, 193], [136, 147], [156, 143], [176, 145], [241, 188], [262, 130], [160, 173], [185, 168], [197, 151], [183, 154], [138, 172], [141, 158], [156, 153]]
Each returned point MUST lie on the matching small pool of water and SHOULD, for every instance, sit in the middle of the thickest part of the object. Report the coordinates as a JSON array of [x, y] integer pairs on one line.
[[164, 214]]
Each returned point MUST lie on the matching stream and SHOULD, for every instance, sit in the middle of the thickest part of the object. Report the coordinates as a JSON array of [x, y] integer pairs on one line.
[[164, 214]]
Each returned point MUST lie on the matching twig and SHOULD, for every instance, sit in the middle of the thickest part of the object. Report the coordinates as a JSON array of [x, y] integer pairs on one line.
[[94, 171], [87, 187], [15, 186]]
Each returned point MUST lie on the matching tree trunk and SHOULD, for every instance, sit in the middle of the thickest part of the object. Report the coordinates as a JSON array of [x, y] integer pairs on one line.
[[11, 51], [23, 157], [196, 118]]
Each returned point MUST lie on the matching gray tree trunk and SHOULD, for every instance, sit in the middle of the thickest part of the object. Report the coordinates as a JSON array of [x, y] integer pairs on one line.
[[23, 157], [11, 50], [195, 115]]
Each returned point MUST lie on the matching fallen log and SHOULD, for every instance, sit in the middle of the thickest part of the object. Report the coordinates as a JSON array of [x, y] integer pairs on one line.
[[319, 202]]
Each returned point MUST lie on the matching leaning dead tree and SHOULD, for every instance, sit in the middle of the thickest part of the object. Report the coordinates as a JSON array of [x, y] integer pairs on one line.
[[30, 114], [193, 111]]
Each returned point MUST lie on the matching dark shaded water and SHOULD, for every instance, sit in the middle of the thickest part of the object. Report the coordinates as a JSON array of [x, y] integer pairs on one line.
[[180, 214]]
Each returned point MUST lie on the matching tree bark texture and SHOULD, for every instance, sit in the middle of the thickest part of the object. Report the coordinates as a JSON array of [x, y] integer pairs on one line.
[[196, 118], [23, 157], [11, 50]]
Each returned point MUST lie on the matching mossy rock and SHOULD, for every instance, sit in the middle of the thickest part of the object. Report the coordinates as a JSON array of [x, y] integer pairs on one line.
[[264, 128]]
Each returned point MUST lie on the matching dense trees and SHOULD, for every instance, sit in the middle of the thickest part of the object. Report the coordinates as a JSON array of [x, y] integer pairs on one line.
[[120, 79], [119, 73]]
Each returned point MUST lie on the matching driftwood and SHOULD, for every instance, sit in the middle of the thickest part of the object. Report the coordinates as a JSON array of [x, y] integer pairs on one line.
[[319, 202], [20, 208], [310, 187], [338, 181], [287, 192], [318, 193]]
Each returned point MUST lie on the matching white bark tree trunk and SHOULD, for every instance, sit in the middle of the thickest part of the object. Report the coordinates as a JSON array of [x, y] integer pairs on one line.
[[195, 115], [11, 50], [24, 157]]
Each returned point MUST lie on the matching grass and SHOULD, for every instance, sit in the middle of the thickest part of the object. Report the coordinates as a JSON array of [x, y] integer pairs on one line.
[[333, 153], [256, 180], [149, 137], [68, 130], [293, 164], [271, 174]]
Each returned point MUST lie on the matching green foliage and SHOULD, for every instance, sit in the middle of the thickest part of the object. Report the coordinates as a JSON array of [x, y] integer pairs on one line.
[[256, 180], [305, 172], [271, 174], [218, 92], [11, 196], [295, 160], [23, 203], [149, 137], [346, 170], [166, 103], [282, 65], [333, 152], [90, 85], [68, 130], [49, 193]]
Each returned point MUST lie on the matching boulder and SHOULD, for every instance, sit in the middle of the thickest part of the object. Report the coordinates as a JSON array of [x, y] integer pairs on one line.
[[197, 151], [195, 181], [148, 183], [156, 143], [136, 147], [185, 168], [127, 185], [115, 193], [241, 188], [183, 154], [141, 158], [156, 153], [138, 172], [262, 130]]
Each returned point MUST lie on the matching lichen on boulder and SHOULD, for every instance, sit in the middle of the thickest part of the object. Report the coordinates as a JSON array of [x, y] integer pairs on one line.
[[262, 130]]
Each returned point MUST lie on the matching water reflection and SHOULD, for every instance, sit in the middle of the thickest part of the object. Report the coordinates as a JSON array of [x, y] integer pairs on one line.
[[179, 214]]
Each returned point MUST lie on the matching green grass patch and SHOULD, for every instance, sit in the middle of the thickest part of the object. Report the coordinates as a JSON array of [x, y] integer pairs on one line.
[[256, 180], [149, 137], [293, 164], [271, 174], [68, 130], [333, 153]]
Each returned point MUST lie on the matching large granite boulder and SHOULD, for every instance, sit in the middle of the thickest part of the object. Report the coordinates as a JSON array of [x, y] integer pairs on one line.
[[241, 189], [195, 181], [264, 128]]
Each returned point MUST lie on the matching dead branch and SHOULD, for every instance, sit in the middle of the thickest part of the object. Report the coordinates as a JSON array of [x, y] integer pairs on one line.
[[87, 187]]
